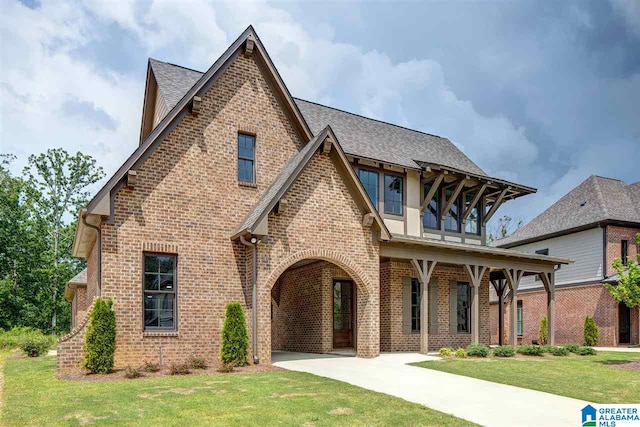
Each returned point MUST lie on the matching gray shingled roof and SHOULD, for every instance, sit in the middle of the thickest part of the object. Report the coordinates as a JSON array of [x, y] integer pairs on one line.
[[174, 81], [289, 173], [359, 136], [595, 200], [80, 278], [372, 139]]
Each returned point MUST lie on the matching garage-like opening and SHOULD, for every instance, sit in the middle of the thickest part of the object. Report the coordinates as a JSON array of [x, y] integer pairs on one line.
[[313, 309]]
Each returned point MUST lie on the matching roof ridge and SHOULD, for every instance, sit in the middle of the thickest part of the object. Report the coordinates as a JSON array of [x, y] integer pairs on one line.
[[372, 119], [603, 205], [176, 65]]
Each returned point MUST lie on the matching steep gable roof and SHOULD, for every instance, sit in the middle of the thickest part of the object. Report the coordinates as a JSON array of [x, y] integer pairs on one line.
[[595, 200], [174, 81], [101, 203], [288, 175]]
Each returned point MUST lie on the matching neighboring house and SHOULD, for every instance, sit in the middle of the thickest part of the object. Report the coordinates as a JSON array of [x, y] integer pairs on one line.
[[333, 230], [593, 224]]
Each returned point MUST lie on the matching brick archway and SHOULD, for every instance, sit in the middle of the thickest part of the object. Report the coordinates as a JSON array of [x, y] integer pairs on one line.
[[358, 275]]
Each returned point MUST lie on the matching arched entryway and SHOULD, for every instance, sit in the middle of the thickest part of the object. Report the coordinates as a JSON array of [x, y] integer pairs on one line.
[[320, 304]]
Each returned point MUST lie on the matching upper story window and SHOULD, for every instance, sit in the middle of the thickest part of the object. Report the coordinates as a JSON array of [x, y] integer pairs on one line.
[[393, 194], [160, 286], [370, 183], [473, 220], [624, 251], [464, 307], [246, 158], [452, 219], [415, 305], [431, 215]]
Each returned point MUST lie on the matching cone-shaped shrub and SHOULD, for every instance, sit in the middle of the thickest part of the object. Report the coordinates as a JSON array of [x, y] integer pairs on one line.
[[235, 341], [590, 331], [543, 331], [100, 340]]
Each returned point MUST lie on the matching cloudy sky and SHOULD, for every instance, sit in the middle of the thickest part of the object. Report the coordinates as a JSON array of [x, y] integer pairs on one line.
[[544, 93]]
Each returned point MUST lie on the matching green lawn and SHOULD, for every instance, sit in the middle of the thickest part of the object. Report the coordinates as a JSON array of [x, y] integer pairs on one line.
[[33, 396], [592, 378]]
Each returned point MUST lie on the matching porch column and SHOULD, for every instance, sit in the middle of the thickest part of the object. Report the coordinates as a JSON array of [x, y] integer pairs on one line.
[[499, 285], [513, 279], [424, 268], [475, 274], [548, 279]]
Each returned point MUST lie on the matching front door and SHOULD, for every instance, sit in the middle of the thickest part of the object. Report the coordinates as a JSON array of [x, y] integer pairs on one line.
[[342, 314], [624, 324]]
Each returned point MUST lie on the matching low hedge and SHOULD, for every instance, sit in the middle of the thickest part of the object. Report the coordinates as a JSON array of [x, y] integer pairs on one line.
[[586, 351], [531, 350], [461, 353], [572, 348], [559, 351], [504, 351], [477, 350]]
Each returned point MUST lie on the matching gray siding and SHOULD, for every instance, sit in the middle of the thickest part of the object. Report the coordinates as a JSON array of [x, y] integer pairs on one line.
[[584, 247]]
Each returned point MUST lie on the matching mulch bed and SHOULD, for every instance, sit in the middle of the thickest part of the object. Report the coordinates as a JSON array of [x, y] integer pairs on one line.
[[118, 374], [631, 366]]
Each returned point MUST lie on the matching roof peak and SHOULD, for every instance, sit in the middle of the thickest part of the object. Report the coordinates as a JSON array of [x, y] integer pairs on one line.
[[175, 65]]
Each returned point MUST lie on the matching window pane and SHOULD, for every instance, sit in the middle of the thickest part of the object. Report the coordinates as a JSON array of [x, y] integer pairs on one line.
[[166, 264], [151, 263], [151, 282], [369, 181], [393, 194], [166, 282], [166, 318], [415, 305], [151, 318], [246, 157], [464, 298], [150, 302], [432, 211], [245, 170], [451, 220]]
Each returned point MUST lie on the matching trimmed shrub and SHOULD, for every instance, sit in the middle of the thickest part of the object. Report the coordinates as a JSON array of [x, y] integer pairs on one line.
[[590, 332], [547, 348], [461, 353], [235, 341], [35, 346], [559, 351], [100, 340], [197, 362], [477, 350], [530, 350], [543, 331], [504, 351], [573, 348], [586, 351], [179, 369], [131, 372], [445, 351], [150, 367]]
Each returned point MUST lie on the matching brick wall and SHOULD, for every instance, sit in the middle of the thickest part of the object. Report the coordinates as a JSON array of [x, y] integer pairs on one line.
[[69, 347], [615, 235], [303, 320], [392, 337], [572, 306]]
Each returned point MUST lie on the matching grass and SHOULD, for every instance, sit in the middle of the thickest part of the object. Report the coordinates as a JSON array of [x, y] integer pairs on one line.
[[592, 378], [34, 396]]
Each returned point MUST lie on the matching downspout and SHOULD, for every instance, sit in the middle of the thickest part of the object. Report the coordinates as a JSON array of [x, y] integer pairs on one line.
[[254, 296], [99, 243]]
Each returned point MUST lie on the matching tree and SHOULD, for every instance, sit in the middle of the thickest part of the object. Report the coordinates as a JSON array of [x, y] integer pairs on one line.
[[590, 331], [543, 332], [57, 186], [235, 341], [627, 290], [100, 340], [505, 227]]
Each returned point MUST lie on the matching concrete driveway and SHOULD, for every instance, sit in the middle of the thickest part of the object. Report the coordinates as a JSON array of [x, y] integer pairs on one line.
[[479, 401]]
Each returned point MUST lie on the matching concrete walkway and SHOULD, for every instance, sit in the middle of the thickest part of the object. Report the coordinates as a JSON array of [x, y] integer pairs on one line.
[[635, 349], [479, 401]]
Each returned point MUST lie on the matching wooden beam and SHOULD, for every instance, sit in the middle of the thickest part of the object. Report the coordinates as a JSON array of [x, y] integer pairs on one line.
[[452, 199], [326, 146], [495, 206], [474, 202], [432, 192], [196, 102], [248, 47]]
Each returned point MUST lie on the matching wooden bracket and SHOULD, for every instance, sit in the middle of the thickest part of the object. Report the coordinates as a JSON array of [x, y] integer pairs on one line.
[[434, 187], [248, 47], [326, 147], [452, 199], [196, 102], [281, 206], [132, 178], [367, 220], [474, 202], [495, 206]]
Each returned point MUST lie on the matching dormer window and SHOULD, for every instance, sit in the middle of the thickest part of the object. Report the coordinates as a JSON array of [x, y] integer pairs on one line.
[[393, 194], [246, 158]]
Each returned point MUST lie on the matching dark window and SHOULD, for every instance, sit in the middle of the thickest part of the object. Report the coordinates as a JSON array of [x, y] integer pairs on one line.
[[452, 219], [431, 215], [160, 283], [370, 183], [246, 158], [393, 192], [473, 220], [415, 305], [624, 251], [520, 314], [541, 252], [464, 307]]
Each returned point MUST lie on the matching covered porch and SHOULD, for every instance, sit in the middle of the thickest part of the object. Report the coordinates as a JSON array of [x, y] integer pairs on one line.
[[502, 267]]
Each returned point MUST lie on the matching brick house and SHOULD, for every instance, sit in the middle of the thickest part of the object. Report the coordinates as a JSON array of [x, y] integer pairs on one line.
[[333, 230], [593, 224]]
